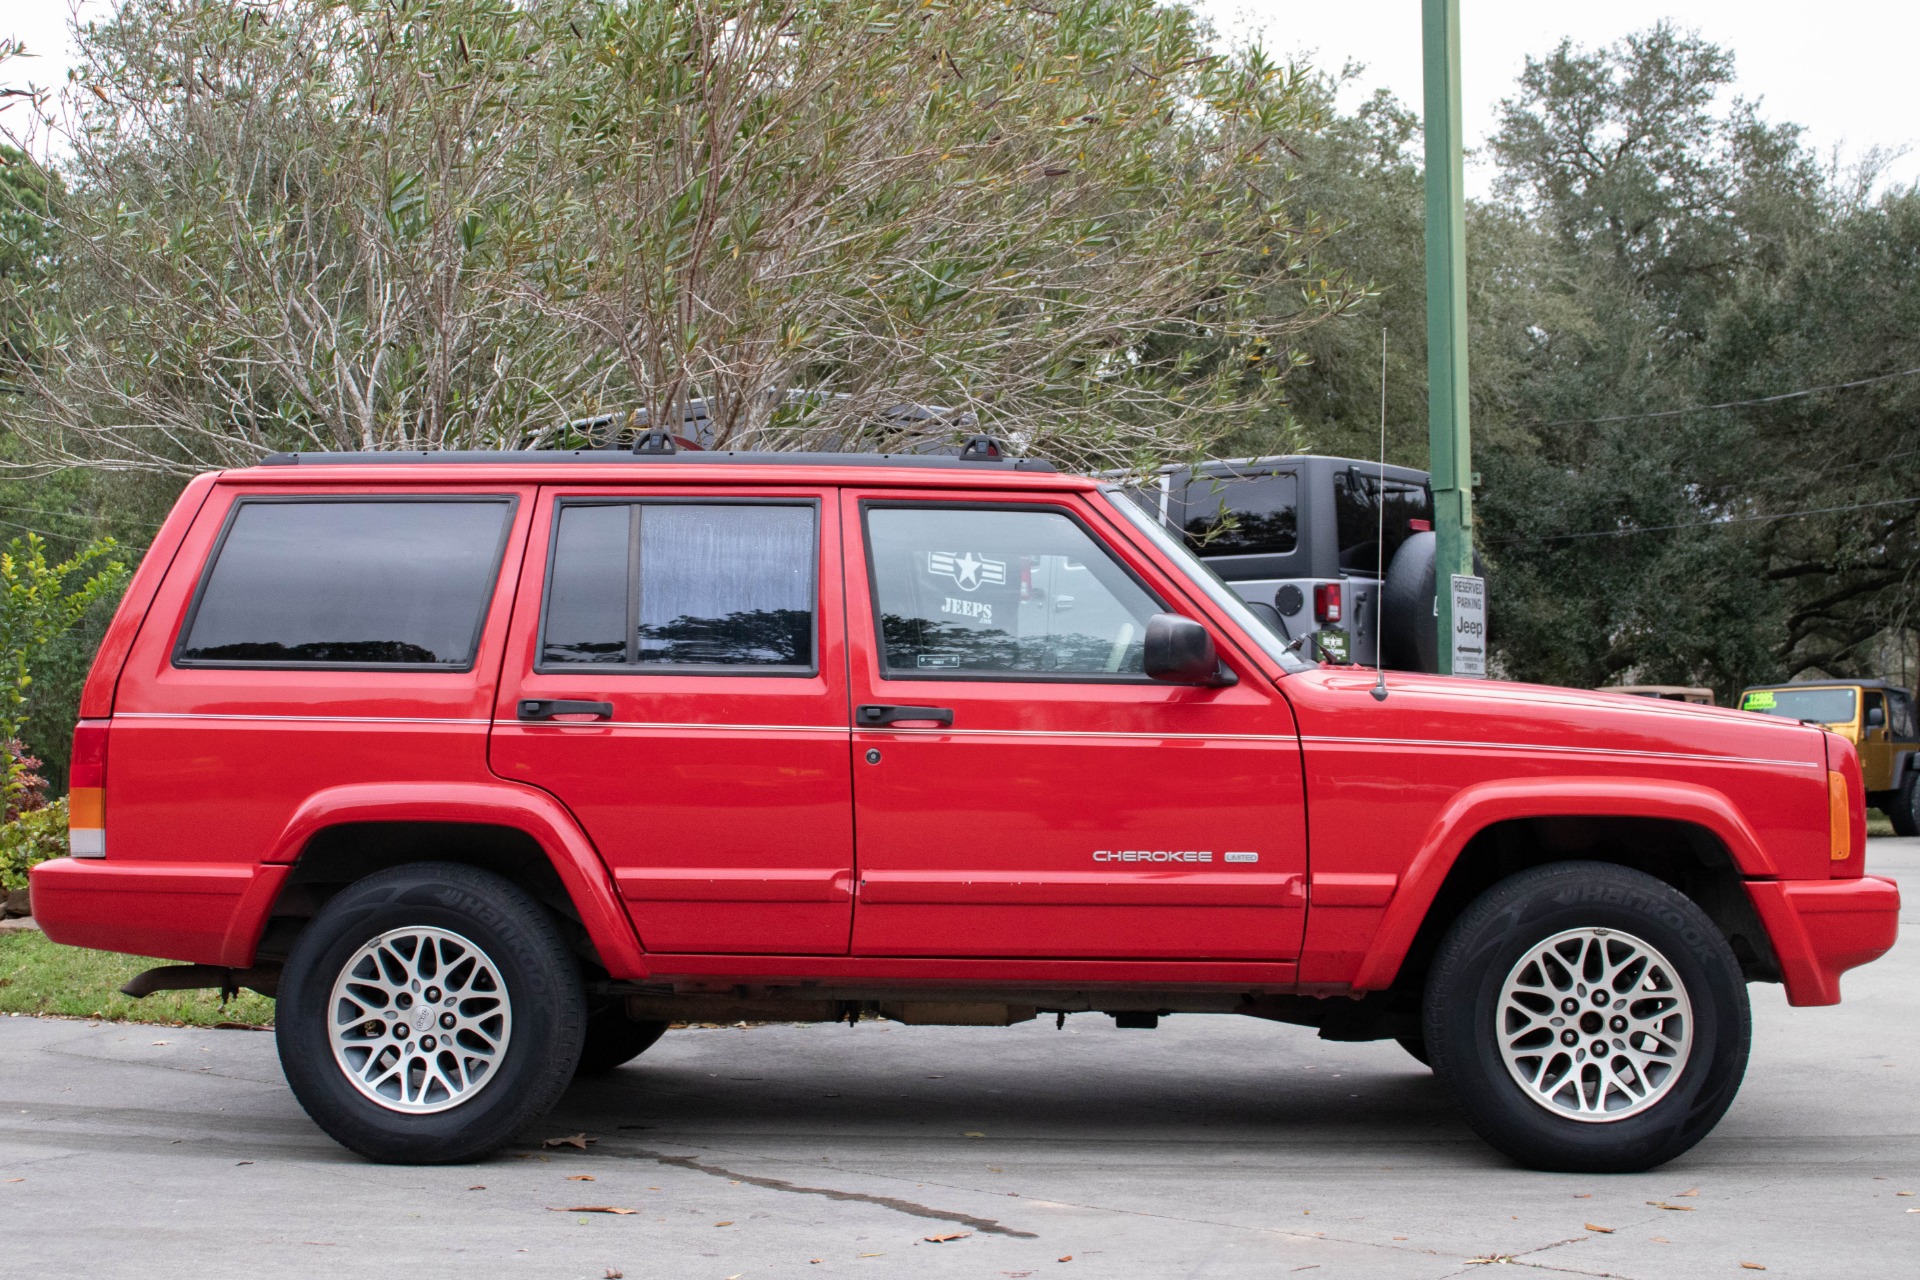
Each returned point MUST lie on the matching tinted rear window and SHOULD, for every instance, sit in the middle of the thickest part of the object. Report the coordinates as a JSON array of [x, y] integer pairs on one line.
[[349, 583], [681, 584], [1247, 515], [1364, 529]]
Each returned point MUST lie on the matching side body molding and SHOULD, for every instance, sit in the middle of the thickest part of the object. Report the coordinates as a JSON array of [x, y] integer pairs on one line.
[[1477, 807], [536, 813]]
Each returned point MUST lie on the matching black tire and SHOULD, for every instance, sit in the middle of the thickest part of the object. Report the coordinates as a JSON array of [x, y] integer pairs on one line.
[[1904, 809], [1416, 1047], [543, 996], [614, 1039], [1488, 943]]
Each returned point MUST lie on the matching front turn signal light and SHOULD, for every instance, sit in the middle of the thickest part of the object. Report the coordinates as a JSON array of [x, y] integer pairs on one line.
[[1839, 817]]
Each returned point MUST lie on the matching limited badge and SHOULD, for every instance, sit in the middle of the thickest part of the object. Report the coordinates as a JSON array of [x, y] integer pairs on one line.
[[967, 569]]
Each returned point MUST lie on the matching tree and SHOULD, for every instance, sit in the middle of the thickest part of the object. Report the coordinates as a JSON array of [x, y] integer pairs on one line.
[[40, 602], [432, 223]]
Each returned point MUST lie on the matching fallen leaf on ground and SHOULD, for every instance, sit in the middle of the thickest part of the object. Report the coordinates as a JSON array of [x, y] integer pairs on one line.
[[589, 1208], [1753, 1266], [579, 1177], [870, 1255], [238, 1163], [578, 1141], [1068, 1258], [727, 1223], [159, 1041], [956, 1235], [1677, 1208], [1585, 1195], [16, 1179], [971, 1134], [615, 1273], [1605, 1231], [1903, 1193], [1660, 1240], [477, 1188], [814, 1262], [1690, 1191]]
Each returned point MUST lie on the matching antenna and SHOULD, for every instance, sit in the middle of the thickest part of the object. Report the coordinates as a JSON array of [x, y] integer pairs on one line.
[[1380, 545]]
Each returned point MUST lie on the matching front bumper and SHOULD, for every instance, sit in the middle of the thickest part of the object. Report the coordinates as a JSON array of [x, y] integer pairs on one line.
[[1822, 928]]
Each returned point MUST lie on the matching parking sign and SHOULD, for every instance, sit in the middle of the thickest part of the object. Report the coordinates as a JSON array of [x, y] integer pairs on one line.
[[1469, 626]]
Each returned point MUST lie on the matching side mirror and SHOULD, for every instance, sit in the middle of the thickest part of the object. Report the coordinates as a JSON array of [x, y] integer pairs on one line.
[[1876, 714], [1179, 651]]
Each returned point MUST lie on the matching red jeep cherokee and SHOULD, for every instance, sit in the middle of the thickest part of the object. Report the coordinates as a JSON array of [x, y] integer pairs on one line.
[[492, 765]]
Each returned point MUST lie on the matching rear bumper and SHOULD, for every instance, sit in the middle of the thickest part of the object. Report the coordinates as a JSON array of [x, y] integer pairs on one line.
[[205, 913], [1822, 928]]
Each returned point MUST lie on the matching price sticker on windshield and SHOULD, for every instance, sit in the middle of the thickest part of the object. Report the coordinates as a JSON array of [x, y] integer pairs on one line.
[[1469, 626]]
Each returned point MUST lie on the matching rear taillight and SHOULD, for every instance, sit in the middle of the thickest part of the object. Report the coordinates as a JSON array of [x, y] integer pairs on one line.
[[87, 791], [1326, 602]]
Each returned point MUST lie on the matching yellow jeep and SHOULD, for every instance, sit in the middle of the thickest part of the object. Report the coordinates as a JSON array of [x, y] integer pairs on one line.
[[1874, 715]]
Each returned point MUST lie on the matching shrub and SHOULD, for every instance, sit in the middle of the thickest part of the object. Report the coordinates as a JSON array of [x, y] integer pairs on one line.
[[30, 839]]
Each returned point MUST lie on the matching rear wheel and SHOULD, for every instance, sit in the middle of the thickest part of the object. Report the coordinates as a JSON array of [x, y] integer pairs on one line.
[[428, 1014], [614, 1039], [1588, 1019], [1416, 1047]]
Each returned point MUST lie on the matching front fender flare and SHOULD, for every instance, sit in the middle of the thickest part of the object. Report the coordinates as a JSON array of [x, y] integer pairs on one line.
[[1475, 808], [582, 873]]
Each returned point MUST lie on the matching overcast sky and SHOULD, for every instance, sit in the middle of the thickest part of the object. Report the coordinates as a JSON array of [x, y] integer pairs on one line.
[[1843, 68]]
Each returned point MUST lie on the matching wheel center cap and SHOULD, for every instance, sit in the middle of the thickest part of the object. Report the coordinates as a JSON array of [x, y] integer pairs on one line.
[[423, 1019]]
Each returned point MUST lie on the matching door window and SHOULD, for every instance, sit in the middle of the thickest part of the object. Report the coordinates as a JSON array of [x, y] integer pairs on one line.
[[681, 585], [985, 592]]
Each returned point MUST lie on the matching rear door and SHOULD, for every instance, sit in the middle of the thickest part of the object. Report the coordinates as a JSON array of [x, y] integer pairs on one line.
[[1021, 789], [675, 675]]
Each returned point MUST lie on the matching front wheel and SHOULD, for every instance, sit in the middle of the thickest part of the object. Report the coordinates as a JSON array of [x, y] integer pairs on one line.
[[428, 1014], [1588, 1018], [1904, 809]]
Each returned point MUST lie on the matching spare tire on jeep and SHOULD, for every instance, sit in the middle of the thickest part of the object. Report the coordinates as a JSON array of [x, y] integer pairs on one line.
[[1409, 632]]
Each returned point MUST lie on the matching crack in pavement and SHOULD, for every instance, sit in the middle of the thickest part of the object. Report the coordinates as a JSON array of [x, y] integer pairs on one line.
[[988, 1226]]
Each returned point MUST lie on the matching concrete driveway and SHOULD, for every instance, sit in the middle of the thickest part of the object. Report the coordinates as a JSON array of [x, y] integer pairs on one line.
[[1209, 1147]]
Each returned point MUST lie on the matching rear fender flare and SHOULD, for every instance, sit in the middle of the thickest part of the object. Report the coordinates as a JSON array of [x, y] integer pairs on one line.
[[1475, 808], [539, 815]]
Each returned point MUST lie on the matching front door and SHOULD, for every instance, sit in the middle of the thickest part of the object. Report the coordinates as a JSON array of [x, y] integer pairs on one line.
[[676, 677], [1021, 788]]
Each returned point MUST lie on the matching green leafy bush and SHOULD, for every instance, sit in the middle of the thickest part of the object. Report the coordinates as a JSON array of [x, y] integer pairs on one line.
[[30, 839]]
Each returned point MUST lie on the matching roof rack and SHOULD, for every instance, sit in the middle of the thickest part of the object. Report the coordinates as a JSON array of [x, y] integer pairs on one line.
[[978, 453]]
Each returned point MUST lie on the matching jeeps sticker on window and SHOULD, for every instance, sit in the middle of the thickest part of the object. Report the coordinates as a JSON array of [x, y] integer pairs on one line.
[[1758, 700], [966, 569]]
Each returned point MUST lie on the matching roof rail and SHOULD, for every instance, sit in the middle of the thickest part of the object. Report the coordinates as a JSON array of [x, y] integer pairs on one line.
[[981, 453]]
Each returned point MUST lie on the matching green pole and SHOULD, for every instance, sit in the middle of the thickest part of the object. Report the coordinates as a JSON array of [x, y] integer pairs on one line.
[[1447, 429]]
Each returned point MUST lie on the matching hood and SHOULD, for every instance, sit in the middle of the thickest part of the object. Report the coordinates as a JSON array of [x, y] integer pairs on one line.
[[1456, 710]]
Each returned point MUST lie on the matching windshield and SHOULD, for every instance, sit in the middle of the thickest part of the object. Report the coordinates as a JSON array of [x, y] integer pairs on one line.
[[1208, 581], [1823, 706]]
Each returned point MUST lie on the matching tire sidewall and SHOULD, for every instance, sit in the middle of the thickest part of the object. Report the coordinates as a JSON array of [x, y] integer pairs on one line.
[[1463, 1001], [546, 1001]]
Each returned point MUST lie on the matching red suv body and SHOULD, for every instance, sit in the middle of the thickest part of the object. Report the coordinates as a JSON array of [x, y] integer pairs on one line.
[[950, 741]]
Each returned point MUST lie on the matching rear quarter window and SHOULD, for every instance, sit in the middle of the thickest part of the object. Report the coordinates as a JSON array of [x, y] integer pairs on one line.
[[327, 582]]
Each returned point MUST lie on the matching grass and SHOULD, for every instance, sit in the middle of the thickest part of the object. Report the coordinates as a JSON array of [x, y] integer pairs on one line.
[[42, 977]]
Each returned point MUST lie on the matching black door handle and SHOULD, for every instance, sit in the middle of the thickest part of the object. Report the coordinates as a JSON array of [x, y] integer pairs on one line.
[[548, 708], [867, 717]]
